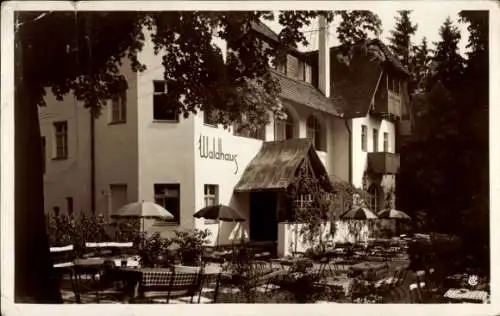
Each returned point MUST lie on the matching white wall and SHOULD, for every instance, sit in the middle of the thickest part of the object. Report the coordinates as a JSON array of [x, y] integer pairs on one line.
[[69, 177], [359, 158], [116, 148], [291, 240], [166, 150], [225, 174], [338, 139]]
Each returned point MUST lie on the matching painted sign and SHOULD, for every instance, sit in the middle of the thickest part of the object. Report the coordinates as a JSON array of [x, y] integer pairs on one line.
[[213, 150]]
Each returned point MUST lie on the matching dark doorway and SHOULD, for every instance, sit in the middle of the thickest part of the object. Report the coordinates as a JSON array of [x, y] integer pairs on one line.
[[263, 216]]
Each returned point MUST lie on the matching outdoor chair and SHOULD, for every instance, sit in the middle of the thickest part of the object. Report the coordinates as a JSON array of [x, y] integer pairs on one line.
[[63, 264], [325, 269], [175, 288], [392, 284], [416, 293]]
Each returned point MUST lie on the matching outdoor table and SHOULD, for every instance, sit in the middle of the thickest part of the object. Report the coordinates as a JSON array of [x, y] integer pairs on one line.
[[371, 270], [341, 284], [289, 262], [137, 278], [466, 296]]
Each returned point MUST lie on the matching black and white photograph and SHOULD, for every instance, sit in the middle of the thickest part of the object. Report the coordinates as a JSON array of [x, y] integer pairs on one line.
[[238, 155]]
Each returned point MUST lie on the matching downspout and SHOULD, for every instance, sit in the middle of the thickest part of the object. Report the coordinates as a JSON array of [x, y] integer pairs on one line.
[[92, 130], [350, 149], [92, 161]]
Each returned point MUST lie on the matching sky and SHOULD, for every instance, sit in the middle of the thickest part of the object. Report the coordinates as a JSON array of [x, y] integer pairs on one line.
[[428, 26]]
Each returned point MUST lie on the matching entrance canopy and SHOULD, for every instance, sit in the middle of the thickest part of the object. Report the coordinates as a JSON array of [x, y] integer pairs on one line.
[[275, 165]]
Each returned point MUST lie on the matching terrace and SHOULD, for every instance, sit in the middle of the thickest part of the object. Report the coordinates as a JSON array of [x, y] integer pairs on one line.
[[102, 263]]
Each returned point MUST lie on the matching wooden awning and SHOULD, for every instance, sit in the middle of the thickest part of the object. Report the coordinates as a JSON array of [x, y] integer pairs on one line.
[[275, 165]]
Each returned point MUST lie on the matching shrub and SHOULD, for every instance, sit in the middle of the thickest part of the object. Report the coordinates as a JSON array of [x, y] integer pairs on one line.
[[190, 245], [154, 251]]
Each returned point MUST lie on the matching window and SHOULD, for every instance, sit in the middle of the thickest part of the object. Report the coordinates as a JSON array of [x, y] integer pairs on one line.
[[43, 155], [69, 206], [301, 203], [314, 132], [374, 198], [161, 112], [259, 133], [364, 132], [210, 117], [211, 194], [308, 73], [283, 129], [56, 210], [119, 108], [168, 196], [375, 140], [386, 142], [61, 137]]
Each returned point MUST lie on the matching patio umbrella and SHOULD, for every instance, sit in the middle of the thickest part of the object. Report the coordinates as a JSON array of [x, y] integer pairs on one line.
[[394, 214], [142, 210], [219, 212], [359, 213]]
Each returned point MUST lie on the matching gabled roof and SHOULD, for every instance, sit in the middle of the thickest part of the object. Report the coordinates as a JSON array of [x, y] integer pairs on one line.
[[390, 57], [357, 86], [275, 165], [305, 93]]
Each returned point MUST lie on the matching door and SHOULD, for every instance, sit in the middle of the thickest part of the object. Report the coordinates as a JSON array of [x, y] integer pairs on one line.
[[263, 216]]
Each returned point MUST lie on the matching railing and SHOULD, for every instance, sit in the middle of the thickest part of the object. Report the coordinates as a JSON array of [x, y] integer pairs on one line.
[[383, 162]]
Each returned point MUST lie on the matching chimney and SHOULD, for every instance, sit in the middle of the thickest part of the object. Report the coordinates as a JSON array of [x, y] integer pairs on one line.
[[324, 57]]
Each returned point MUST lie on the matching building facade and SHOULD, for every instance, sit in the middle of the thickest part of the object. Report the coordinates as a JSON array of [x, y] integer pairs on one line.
[[141, 153]]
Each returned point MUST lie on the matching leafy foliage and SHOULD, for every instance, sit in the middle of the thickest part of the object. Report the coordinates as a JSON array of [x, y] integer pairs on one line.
[[155, 251], [316, 211], [356, 26], [190, 244], [446, 161]]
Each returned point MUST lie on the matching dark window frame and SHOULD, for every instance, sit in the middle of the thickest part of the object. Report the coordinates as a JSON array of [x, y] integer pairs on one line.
[[314, 132], [288, 126], [119, 108], [60, 140], [386, 142], [163, 199], [364, 138], [211, 195], [159, 96]]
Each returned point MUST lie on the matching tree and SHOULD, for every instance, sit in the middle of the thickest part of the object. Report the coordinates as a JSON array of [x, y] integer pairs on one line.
[[83, 57], [355, 27], [449, 63], [447, 158], [419, 66], [474, 122], [400, 42]]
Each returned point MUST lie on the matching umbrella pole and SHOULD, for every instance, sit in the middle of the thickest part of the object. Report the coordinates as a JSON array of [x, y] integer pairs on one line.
[[218, 233]]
